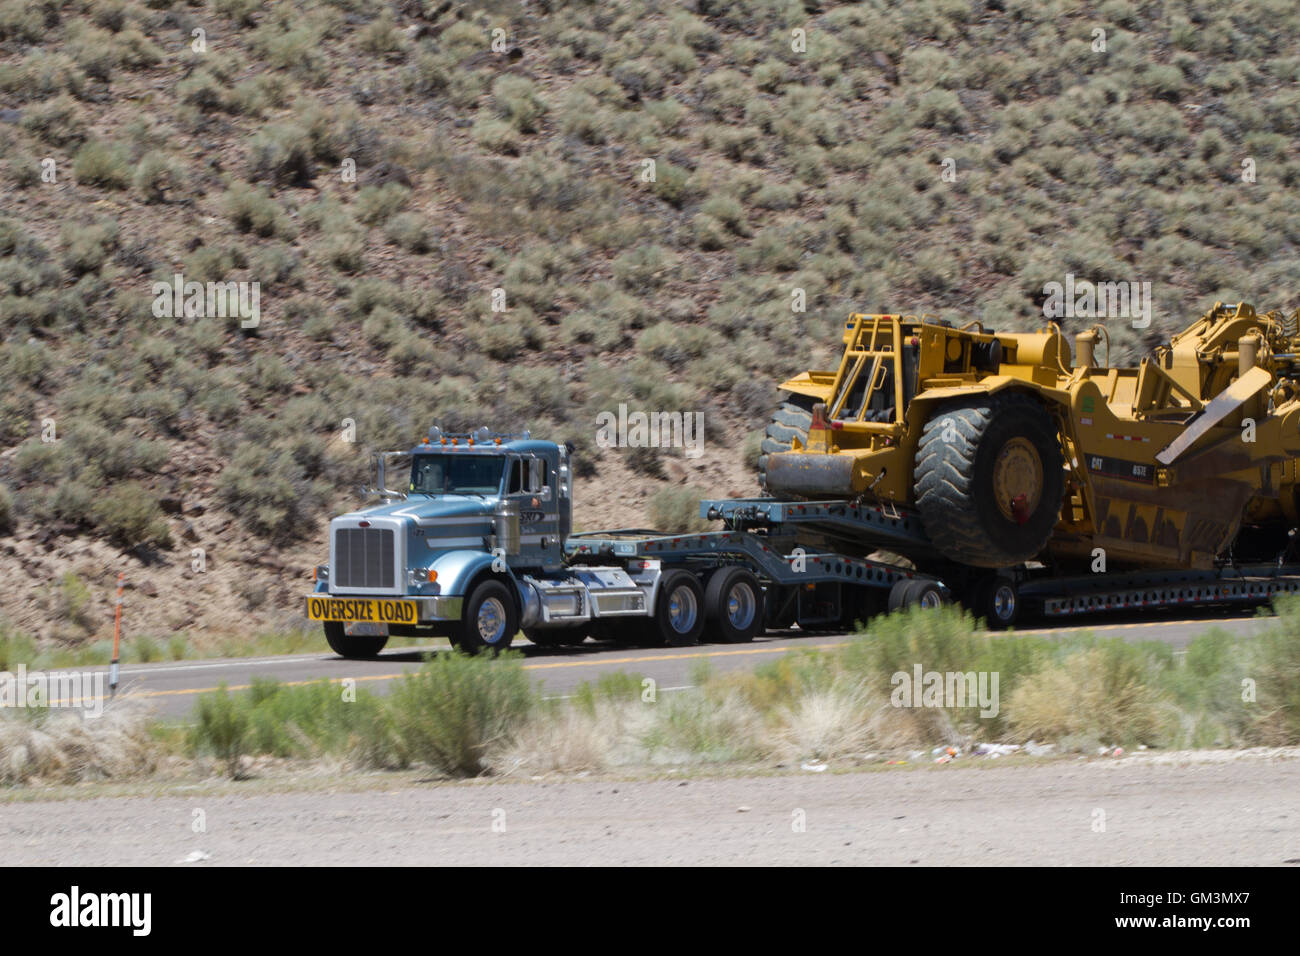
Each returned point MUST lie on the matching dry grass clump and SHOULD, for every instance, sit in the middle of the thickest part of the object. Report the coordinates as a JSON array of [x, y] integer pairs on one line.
[[64, 746]]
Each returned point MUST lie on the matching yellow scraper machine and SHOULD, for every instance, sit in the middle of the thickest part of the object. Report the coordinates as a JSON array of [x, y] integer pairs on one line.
[[1025, 476]]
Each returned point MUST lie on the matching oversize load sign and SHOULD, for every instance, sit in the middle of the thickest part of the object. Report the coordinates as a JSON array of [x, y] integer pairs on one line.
[[362, 610]]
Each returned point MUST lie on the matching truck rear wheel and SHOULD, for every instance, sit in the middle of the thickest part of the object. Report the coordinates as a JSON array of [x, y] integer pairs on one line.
[[791, 419], [679, 611], [352, 646], [733, 604], [490, 620], [989, 480]]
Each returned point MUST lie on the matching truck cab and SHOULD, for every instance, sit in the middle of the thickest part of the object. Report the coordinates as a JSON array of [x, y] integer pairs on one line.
[[469, 545]]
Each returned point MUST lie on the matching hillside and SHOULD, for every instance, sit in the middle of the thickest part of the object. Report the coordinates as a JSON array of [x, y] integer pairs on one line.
[[557, 208]]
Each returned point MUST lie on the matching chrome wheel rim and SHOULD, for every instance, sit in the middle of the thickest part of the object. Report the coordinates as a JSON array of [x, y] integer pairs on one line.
[[491, 621], [1004, 602], [741, 606], [682, 609]]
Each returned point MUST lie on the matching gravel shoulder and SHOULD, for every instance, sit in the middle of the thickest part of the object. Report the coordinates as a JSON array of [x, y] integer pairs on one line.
[[1208, 809]]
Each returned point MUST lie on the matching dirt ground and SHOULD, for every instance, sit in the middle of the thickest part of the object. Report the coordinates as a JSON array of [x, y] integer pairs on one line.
[[1225, 809]]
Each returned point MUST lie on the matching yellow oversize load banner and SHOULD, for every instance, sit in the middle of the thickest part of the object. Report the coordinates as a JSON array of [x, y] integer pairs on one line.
[[362, 610]]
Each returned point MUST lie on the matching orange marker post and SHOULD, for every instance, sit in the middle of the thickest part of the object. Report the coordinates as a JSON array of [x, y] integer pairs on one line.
[[117, 636]]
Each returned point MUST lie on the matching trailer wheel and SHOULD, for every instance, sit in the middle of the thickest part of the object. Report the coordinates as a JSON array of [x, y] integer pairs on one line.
[[916, 592], [357, 647], [490, 619], [679, 611], [733, 604], [997, 601], [990, 477]]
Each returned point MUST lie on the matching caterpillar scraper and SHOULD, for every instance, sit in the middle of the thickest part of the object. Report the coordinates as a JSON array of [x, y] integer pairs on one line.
[[994, 458]]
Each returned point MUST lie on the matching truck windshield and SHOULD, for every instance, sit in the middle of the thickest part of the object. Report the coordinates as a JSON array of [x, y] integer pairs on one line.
[[457, 474]]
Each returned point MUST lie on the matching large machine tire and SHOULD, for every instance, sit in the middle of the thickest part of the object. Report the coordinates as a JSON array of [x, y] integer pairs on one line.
[[973, 465], [791, 419]]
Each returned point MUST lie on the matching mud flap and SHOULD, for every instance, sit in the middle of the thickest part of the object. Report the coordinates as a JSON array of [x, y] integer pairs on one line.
[[800, 474]]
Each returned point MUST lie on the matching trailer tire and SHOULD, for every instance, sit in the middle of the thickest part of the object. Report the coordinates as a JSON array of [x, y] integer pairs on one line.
[[490, 619], [916, 592], [733, 605], [997, 601], [354, 647], [990, 477], [791, 419], [679, 611]]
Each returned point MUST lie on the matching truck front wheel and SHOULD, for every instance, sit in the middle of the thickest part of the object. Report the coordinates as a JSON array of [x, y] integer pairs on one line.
[[352, 646], [490, 620]]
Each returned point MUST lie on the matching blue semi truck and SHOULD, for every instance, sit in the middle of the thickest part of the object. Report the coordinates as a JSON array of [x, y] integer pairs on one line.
[[477, 544]]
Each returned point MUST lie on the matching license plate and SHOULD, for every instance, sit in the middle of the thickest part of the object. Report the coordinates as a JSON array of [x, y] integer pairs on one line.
[[363, 610]]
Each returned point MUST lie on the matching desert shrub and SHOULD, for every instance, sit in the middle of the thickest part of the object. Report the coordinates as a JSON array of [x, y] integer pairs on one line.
[[7, 517], [128, 514], [676, 509], [496, 136], [516, 100], [44, 746], [381, 35], [58, 121], [456, 708], [374, 204], [158, 177], [409, 231], [1102, 693], [270, 491], [221, 728], [253, 210], [87, 247], [281, 154]]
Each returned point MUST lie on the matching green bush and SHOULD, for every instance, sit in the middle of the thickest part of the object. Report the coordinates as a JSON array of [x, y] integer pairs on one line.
[[6, 510], [222, 728], [281, 153], [128, 513], [456, 708], [158, 177], [253, 210], [676, 509], [516, 100], [374, 204]]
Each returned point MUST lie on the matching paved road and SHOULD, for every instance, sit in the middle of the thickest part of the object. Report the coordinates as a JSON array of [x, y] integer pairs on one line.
[[172, 688]]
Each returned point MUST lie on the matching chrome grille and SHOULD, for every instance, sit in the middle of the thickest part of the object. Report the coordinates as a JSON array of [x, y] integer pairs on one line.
[[363, 558]]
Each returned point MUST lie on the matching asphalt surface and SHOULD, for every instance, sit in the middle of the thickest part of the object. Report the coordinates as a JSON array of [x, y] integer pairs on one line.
[[172, 688]]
